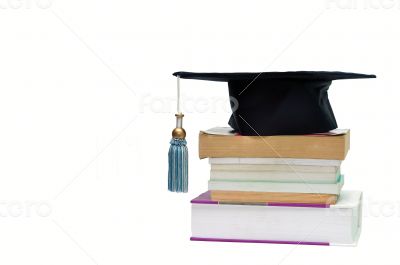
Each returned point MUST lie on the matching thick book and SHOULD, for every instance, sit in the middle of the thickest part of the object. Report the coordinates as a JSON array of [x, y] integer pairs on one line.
[[275, 169], [275, 173], [325, 225], [276, 198], [331, 146], [266, 186]]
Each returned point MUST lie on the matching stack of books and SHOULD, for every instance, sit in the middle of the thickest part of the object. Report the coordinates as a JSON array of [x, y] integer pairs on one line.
[[276, 189]]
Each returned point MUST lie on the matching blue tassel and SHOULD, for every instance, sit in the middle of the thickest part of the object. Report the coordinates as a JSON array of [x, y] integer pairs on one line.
[[178, 166]]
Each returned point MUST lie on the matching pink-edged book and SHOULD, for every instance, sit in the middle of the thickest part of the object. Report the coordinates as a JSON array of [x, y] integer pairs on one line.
[[278, 223]]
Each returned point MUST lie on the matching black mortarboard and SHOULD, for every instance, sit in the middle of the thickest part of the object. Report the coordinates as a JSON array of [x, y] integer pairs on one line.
[[279, 103]]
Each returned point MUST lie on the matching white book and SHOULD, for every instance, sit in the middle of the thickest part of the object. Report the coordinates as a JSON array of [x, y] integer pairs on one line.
[[264, 186], [275, 176], [274, 168], [338, 224], [275, 161]]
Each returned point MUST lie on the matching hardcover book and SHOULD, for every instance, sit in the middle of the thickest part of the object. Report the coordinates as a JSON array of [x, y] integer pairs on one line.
[[285, 223], [272, 197], [267, 186], [332, 146], [275, 173]]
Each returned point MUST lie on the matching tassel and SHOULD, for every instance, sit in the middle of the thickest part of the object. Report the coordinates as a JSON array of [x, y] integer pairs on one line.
[[178, 155], [178, 159], [178, 166]]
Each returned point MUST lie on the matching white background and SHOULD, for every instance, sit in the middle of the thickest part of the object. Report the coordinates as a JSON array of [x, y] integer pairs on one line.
[[87, 107]]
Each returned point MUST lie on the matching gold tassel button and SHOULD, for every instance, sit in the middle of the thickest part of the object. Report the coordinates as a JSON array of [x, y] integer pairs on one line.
[[179, 133]]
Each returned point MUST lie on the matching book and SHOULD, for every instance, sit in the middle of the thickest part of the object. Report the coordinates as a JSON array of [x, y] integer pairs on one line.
[[273, 161], [275, 173], [338, 224], [265, 186], [273, 168], [276, 198], [317, 146]]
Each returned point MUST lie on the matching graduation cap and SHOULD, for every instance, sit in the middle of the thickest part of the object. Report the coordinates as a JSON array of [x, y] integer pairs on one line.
[[279, 103], [265, 103]]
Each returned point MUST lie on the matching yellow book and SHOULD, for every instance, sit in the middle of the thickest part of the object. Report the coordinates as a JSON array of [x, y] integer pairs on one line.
[[272, 197], [332, 145]]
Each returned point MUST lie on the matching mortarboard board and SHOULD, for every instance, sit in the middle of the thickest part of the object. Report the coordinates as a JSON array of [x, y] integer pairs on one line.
[[279, 103]]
